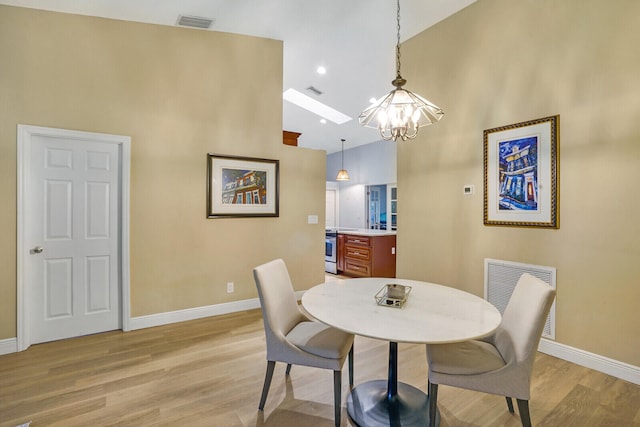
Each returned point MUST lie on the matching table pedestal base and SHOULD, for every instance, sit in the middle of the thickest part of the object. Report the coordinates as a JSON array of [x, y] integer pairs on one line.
[[368, 405]]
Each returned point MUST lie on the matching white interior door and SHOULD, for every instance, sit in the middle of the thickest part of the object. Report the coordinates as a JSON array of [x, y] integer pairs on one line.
[[72, 235]]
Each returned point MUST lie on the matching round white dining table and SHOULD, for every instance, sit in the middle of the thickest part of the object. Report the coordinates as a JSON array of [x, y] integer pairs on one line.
[[432, 314]]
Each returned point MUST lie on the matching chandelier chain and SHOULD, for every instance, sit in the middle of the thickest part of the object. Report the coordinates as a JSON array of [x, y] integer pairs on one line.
[[398, 42]]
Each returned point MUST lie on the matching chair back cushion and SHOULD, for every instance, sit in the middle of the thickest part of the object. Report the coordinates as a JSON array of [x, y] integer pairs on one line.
[[523, 320], [280, 311]]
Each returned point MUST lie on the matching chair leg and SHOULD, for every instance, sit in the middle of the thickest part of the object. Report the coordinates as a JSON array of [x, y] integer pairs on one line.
[[523, 407], [509, 404], [433, 405], [288, 369], [267, 382], [351, 366], [337, 395]]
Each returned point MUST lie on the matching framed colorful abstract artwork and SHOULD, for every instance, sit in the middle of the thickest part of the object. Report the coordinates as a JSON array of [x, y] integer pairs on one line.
[[521, 174]]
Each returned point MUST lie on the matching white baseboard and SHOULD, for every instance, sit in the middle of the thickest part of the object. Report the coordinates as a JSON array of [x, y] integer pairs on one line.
[[195, 313], [192, 313], [10, 345], [593, 361]]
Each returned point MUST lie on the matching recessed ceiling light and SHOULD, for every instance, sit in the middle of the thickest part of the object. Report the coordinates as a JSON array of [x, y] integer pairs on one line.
[[323, 121], [316, 107], [321, 70], [372, 100]]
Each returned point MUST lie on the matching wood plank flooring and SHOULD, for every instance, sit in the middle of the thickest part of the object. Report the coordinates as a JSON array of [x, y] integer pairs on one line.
[[209, 372]]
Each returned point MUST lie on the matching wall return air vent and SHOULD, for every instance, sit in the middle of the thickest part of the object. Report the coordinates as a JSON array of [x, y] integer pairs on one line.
[[500, 278], [194, 21]]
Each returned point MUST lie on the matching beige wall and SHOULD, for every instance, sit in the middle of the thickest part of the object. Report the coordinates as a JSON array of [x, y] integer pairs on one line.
[[500, 62], [179, 94]]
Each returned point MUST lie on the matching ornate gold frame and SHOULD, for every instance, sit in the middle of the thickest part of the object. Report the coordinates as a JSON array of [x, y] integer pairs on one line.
[[521, 174]]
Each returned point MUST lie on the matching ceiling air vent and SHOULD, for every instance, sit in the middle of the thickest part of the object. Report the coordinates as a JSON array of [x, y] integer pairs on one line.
[[314, 90], [194, 21]]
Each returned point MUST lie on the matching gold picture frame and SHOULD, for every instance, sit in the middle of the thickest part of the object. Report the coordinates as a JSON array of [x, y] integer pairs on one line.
[[521, 174]]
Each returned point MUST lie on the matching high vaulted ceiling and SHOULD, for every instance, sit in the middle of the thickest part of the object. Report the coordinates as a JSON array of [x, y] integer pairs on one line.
[[353, 39]]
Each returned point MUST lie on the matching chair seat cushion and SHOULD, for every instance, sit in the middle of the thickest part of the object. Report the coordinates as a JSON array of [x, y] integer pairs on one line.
[[464, 358], [320, 339]]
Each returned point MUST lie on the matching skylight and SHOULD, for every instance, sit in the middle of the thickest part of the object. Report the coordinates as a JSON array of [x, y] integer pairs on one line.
[[316, 107]]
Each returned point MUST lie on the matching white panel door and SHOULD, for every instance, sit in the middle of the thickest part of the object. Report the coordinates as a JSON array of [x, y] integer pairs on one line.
[[72, 232]]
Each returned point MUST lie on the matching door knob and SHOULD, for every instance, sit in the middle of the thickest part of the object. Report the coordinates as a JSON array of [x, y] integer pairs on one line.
[[37, 250]]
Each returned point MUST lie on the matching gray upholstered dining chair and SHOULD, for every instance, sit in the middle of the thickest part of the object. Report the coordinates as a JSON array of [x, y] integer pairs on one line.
[[501, 363], [295, 339]]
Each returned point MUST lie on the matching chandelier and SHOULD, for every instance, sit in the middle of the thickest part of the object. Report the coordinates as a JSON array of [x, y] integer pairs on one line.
[[401, 113]]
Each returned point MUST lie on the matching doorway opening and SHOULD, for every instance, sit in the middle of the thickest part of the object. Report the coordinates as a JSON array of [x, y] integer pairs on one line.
[[382, 207]]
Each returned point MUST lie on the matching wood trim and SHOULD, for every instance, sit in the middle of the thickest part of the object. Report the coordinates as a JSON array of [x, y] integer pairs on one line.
[[290, 138]]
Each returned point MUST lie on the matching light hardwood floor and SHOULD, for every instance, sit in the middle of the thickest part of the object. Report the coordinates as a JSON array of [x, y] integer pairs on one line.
[[209, 372]]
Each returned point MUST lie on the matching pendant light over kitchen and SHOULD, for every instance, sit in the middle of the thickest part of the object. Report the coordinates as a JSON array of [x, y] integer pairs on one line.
[[343, 175], [401, 113]]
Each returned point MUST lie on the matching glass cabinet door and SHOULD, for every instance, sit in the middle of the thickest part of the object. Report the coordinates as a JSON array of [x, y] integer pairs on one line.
[[393, 208]]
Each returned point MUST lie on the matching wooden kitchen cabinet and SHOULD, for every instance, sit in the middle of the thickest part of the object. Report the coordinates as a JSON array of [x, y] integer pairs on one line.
[[367, 256]]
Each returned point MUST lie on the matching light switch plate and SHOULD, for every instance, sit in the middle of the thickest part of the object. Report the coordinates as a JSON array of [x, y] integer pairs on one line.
[[312, 219]]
